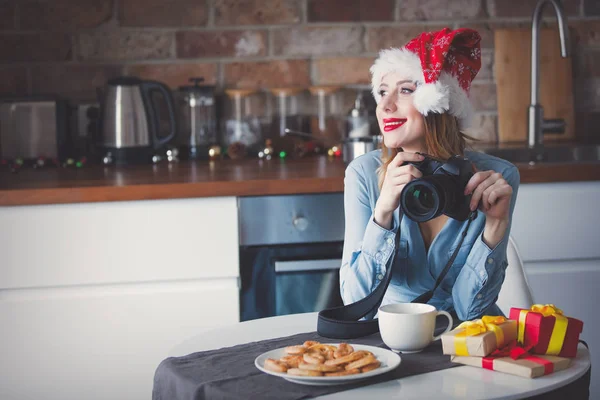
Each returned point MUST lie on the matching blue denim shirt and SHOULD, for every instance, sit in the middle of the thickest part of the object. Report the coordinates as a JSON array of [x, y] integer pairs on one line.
[[472, 284]]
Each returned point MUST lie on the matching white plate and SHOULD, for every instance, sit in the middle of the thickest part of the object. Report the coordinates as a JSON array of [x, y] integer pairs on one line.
[[389, 360]]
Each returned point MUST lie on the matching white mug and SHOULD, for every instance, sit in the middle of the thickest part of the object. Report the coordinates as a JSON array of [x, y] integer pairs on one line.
[[409, 327]]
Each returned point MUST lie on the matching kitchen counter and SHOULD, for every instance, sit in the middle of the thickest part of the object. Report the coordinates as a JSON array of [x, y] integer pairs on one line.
[[249, 177]]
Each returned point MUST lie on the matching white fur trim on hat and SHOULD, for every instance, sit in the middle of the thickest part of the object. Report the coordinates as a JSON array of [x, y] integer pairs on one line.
[[443, 95], [431, 97], [395, 60]]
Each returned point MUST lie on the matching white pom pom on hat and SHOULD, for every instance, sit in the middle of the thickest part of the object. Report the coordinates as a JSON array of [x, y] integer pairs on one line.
[[442, 64]]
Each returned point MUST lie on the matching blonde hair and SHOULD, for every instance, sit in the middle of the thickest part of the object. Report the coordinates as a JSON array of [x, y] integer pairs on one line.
[[443, 139]]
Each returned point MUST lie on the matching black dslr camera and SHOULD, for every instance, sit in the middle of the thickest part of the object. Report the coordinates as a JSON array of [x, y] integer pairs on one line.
[[439, 191]]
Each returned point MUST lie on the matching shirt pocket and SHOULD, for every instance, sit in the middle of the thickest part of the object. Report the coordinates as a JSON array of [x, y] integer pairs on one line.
[[402, 249], [401, 262], [457, 265], [408, 276]]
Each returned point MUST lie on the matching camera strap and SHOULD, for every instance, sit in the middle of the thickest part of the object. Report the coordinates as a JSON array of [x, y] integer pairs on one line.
[[344, 322]]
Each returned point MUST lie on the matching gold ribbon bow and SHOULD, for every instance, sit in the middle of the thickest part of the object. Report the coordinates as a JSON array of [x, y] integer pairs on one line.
[[476, 327], [558, 332], [546, 309]]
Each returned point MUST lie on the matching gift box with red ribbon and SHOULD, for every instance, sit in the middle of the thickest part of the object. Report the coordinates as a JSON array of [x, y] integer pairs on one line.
[[479, 337], [530, 366], [545, 330], [516, 361]]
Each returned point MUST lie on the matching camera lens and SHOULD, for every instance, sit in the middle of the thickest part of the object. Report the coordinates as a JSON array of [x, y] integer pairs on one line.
[[439, 191], [420, 199]]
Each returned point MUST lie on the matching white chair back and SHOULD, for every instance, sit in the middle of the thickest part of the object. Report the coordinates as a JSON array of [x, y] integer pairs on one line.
[[515, 290]]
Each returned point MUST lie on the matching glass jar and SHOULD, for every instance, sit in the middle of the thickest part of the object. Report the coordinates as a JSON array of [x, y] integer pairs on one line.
[[241, 122], [288, 111], [197, 122], [289, 121], [327, 116]]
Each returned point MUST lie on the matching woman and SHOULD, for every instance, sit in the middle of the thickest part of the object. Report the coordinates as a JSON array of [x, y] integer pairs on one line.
[[422, 107]]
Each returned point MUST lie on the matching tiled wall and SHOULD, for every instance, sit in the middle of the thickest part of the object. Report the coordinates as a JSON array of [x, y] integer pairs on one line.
[[72, 46]]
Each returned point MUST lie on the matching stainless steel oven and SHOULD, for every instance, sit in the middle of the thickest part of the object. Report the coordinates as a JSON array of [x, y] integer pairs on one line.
[[290, 253]]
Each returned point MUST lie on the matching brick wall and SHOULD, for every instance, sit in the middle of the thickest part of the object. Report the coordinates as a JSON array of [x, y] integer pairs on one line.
[[71, 47]]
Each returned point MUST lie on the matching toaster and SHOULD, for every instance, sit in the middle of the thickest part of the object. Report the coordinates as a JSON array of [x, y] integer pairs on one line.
[[34, 127]]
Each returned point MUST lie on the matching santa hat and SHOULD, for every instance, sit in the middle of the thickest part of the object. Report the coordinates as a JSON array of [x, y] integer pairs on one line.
[[442, 64]]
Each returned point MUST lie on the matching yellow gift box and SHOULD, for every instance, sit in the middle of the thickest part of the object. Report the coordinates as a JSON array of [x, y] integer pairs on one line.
[[479, 337]]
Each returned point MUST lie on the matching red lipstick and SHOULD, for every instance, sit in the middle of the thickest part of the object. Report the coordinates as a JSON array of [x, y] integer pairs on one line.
[[389, 124]]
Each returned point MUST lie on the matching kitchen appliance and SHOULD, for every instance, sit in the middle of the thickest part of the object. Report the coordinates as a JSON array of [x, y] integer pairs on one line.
[[362, 132], [290, 253], [132, 120], [34, 127], [354, 147], [512, 66], [198, 120], [359, 120]]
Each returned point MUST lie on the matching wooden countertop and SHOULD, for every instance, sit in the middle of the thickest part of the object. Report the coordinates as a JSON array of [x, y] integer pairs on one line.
[[250, 177]]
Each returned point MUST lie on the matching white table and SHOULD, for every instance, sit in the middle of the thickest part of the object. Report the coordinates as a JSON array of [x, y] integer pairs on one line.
[[462, 382]]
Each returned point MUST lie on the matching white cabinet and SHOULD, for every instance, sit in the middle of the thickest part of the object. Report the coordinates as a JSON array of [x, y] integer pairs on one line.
[[558, 221], [557, 229], [93, 296]]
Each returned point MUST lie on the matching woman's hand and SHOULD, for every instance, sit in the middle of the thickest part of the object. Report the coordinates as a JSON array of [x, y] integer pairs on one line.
[[491, 194], [396, 177]]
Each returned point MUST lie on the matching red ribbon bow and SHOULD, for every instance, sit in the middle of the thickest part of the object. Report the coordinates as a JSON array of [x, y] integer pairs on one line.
[[512, 350]]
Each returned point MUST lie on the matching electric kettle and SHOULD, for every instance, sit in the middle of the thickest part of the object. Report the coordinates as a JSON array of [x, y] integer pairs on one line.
[[131, 119]]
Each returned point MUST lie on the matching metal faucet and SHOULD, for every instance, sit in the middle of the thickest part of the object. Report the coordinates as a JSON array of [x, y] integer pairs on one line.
[[537, 124]]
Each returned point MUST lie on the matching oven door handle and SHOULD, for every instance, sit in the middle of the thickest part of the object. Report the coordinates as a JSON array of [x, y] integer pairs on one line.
[[307, 265]]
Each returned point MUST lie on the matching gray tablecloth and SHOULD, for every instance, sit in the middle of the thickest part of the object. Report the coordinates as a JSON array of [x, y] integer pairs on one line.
[[229, 373]]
